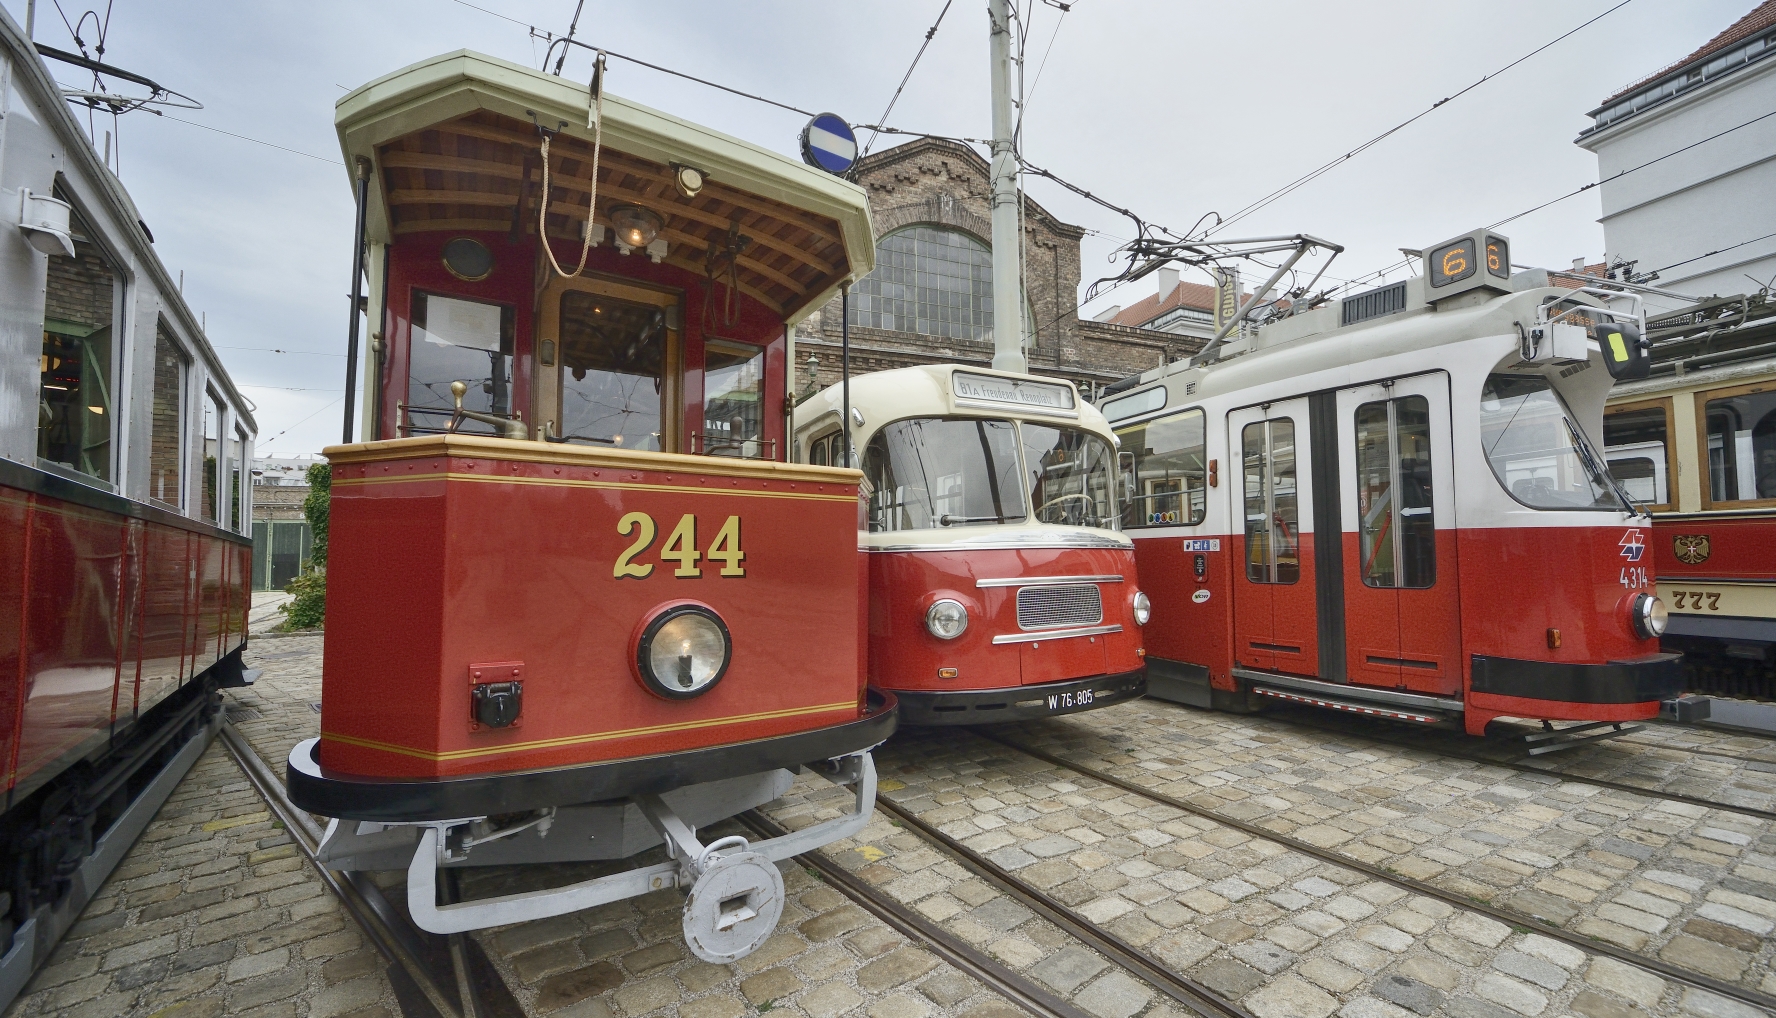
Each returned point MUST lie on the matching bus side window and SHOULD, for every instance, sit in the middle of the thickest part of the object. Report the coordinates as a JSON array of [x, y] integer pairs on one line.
[[1164, 472]]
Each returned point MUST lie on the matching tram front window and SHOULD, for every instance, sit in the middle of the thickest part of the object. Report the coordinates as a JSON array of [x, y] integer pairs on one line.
[[613, 370], [932, 472], [1069, 474], [1536, 449], [457, 340]]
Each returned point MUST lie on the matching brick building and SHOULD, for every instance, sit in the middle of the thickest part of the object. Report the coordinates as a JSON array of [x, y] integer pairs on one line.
[[930, 298]]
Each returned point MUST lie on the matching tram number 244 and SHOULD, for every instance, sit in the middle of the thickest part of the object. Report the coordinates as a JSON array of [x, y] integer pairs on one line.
[[680, 547]]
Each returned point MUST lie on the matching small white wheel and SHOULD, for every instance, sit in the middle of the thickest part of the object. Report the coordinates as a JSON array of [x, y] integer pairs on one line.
[[733, 907]]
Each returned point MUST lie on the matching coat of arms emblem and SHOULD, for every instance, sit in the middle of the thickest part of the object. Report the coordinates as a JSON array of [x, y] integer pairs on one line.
[[1690, 549]]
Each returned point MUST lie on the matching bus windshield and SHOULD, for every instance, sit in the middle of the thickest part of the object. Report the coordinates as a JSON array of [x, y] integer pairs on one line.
[[935, 472], [1537, 450], [1069, 475]]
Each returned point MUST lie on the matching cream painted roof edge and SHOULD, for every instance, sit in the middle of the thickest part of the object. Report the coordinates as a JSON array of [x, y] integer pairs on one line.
[[455, 84]]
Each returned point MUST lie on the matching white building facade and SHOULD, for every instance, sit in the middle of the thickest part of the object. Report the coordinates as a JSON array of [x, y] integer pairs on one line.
[[1702, 218]]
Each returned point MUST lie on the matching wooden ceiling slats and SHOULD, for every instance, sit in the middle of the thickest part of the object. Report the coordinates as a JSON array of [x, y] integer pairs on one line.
[[478, 172]]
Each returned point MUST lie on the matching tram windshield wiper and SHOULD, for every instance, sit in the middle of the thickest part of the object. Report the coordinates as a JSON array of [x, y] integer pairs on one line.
[[947, 520]]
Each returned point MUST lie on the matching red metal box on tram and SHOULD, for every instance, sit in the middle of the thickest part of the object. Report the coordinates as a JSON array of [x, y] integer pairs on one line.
[[579, 603]]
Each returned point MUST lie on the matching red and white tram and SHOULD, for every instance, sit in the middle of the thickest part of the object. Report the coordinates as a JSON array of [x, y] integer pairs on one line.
[[124, 509], [999, 587], [568, 618], [1395, 505]]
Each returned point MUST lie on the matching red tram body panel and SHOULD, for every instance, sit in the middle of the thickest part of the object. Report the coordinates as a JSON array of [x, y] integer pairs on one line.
[[456, 555]]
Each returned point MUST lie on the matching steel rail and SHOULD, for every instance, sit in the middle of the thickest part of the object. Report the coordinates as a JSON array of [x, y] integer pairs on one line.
[[1463, 902], [997, 977], [1181, 988], [1518, 765], [361, 897]]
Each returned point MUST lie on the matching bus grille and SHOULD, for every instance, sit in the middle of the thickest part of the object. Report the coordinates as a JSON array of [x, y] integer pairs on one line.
[[1077, 604]]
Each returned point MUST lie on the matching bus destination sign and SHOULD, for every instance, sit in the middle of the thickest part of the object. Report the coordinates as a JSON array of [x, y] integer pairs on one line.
[[1012, 391]]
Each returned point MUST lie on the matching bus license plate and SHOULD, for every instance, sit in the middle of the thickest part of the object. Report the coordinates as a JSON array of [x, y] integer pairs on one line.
[[1068, 701]]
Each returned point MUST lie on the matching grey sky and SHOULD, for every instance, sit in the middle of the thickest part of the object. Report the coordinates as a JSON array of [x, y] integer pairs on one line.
[[1170, 108]]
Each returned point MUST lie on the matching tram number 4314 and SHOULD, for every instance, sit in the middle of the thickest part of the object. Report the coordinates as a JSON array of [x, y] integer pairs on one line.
[[1633, 577], [680, 547]]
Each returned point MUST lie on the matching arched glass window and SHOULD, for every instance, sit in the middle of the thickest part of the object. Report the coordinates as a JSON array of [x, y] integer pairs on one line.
[[929, 280]]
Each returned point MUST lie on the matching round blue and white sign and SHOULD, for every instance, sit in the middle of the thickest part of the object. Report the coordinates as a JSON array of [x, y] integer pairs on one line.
[[827, 142]]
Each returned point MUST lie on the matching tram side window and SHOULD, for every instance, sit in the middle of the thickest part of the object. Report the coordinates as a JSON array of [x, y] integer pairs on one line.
[[1742, 447], [1635, 443], [1069, 476], [1272, 509], [1396, 525], [1164, 476], [167, 423], [1536, 450], [74, 408], [930, 472], [237, 492], [456, 340], [212, 452], [733, 400]]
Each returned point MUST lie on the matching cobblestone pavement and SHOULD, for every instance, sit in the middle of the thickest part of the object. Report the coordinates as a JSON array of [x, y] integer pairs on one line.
[[212, 913], [1711, 741], [1692, 886], [628, 959]]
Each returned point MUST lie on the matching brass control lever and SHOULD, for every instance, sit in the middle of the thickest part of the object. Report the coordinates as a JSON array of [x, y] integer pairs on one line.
[[506, 427]]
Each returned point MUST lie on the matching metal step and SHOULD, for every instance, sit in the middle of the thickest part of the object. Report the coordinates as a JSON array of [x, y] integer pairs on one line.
[[1553, 740]]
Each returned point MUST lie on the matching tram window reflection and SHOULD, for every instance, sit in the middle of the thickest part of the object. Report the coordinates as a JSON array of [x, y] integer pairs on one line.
[[166, 425], [1069, 475], [74, 406], [931, 472], [1536, 450], [1634, 442], [733, 400], [1741, 447], [211, 505], [1164, 479], [613, 370], [1272, 509], [457, 340], [1395, 520]]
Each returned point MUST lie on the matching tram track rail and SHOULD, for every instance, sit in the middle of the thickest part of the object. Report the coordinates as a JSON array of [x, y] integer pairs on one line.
[[433, 976], [1182, 989], [1514, 919], [1007, 982], [1519, 765]]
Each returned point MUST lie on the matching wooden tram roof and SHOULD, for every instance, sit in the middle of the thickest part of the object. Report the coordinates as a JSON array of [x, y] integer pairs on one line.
[[455, 149]]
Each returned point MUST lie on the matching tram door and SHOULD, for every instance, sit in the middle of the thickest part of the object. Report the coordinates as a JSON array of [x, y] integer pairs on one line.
[[1274, 611], [1402, 622]]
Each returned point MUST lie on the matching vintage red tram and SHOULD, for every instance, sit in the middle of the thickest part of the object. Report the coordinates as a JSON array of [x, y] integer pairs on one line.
[[578, 603], [124, 508], [999, 587], [1395, 505]]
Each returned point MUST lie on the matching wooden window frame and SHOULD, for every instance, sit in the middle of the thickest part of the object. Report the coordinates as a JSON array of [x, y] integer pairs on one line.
[[1702, 399], [1671, 468], [546, 391]]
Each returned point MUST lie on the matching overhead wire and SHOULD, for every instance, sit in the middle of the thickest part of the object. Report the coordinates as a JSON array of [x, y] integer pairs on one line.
[[932, 31], [1327, 167]]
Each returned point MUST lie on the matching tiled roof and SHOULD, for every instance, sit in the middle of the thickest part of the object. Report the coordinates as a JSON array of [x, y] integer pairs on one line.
[[1185, 295], [1761, 17], [1598, 269]]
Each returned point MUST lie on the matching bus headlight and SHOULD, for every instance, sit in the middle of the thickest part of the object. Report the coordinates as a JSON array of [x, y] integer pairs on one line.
[[1143, 608], [1649, 615], [683, 652], [946, 619]]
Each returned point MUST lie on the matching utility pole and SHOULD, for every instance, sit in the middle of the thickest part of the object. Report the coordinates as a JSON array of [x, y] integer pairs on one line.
[[1008, 297]]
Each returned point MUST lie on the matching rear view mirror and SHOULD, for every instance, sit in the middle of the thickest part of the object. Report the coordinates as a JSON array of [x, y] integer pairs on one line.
[[1625, 351]]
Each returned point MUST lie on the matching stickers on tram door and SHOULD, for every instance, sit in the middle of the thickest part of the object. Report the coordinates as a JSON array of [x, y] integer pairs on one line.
[[1201, 544]]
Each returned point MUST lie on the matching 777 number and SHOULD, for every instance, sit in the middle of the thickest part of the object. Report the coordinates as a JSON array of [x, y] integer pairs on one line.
[[680, 547]]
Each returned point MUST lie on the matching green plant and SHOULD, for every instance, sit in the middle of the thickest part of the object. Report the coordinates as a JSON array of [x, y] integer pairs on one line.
[[308, 609]]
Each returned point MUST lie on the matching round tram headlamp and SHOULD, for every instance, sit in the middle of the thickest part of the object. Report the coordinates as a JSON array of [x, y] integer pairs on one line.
[[946, 619], [683, 652], [1649, 615], [1143, 608], [635, 226]]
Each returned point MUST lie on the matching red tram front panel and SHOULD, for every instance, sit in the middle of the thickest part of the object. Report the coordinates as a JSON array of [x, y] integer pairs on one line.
[[452, 556], [994, 652]]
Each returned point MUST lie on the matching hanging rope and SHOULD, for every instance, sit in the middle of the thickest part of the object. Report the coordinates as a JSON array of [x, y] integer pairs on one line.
[[595, 121]]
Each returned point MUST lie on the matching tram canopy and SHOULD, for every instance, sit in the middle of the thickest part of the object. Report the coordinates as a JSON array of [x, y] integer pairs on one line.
[[455, 145]]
